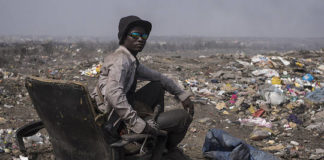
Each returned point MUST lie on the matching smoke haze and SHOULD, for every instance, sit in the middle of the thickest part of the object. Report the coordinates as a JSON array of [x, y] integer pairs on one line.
[[217, 18]]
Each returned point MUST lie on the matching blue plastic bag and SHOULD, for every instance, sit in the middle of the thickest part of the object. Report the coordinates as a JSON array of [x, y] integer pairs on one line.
[[219, 145], [308, 77]]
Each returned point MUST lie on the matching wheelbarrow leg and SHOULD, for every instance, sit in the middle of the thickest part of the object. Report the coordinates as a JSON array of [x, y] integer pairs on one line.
[[26, 131]]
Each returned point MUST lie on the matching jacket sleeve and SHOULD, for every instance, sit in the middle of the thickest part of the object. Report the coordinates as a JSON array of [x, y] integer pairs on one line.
[[145, 73], [116, 96]]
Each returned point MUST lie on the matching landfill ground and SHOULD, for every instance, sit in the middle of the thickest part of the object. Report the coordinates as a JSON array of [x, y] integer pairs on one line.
[[224, 89]]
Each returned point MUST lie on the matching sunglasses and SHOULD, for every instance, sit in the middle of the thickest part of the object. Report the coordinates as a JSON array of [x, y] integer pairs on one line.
[[137, 35]]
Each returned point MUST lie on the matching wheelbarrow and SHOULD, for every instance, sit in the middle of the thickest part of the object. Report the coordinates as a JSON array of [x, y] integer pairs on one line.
[[68, 114]]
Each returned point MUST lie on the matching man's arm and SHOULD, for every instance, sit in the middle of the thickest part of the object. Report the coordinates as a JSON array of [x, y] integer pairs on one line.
[[145, 73], [115, 94]]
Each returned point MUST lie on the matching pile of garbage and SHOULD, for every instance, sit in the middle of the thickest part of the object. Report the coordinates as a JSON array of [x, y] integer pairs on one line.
[[277, 95], [93, 71], [274, 102], [7, 140]]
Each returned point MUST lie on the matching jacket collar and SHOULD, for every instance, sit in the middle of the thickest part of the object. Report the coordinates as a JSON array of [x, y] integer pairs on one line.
[[125, 50]]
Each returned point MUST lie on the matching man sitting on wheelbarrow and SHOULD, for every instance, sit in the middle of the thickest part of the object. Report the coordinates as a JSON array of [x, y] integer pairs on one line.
[[115, 93]]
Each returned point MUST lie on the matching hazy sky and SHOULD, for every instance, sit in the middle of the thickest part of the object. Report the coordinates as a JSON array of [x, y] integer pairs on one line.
[[260, 18]]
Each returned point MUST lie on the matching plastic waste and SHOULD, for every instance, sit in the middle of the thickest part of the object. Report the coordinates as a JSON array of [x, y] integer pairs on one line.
[[37, 138], [191, 82], [258, 113], [23, 158], [221, 93], [6, 140], [266, 72], [204, 91], [285, 73], [92, 72], [98, 68], [274, 95], [54, 72], [228, 87], [294, 118], [233, 99], [252, 80], [276, 80], [316, 96], [294, 143], [260, 133], [274, 98], [308, 77], [8, 106], [299, 83], [252, 109], [316, 71], [147, 58], [285, 62], [222, 146], [299, 64], [259, 58], [245, 64], [255, 122], [214, 81]]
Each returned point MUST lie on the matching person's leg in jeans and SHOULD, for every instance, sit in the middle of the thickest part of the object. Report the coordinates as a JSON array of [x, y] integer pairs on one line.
[[175, 122]]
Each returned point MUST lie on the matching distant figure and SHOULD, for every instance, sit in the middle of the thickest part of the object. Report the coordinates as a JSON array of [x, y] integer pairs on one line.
[[115, 93]]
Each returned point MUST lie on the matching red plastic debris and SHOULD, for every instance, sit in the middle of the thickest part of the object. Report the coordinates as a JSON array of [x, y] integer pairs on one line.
[[258, 113]]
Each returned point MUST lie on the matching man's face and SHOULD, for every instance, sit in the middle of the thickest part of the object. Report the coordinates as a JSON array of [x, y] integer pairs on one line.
[[135, 43]]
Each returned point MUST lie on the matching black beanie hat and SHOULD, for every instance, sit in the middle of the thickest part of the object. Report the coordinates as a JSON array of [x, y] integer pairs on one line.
[[126, 23]]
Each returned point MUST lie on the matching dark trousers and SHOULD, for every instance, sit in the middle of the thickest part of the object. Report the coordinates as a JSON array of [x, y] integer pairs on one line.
[[175, 122]]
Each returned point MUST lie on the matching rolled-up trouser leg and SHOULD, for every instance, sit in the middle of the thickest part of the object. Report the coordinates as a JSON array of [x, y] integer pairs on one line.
[[176, 122]]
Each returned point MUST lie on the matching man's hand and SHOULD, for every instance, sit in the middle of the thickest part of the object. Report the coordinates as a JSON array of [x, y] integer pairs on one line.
[[152, 128], [188, 106]]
